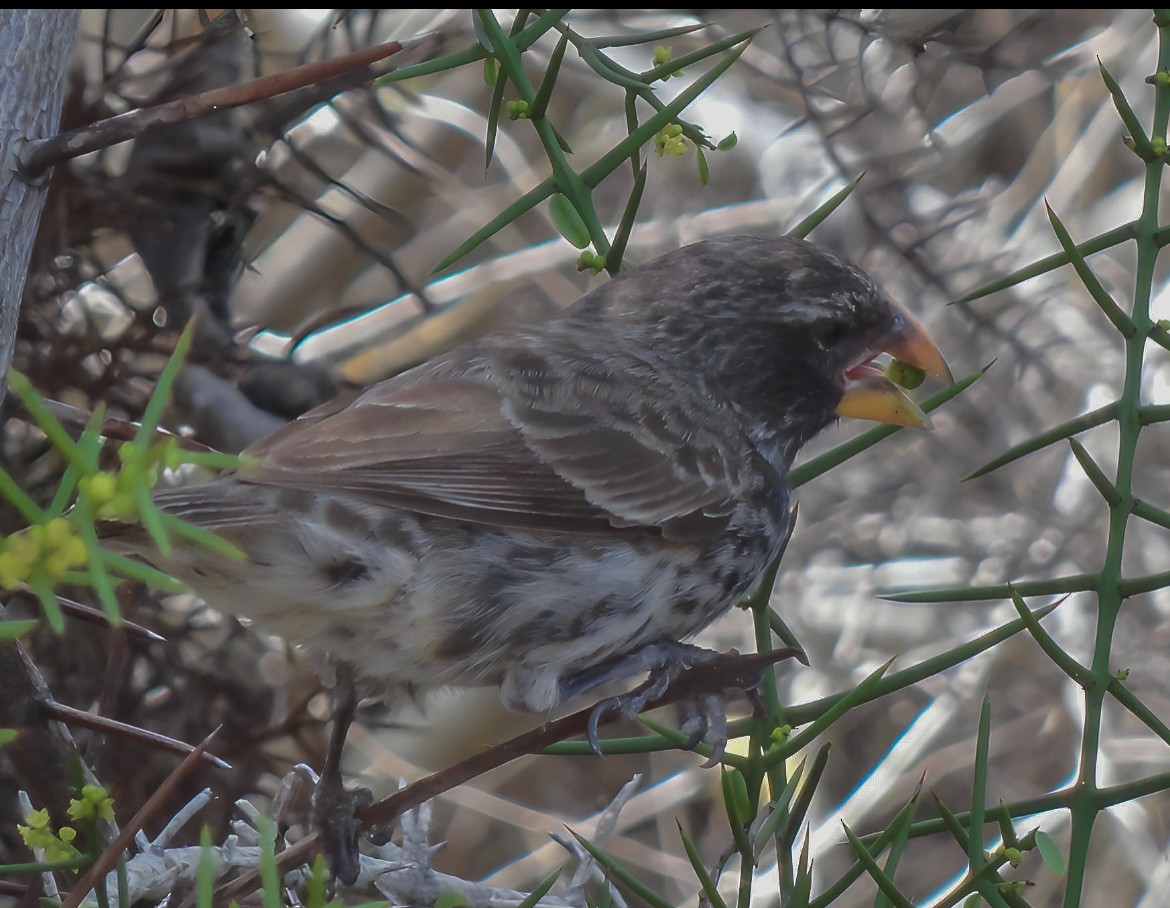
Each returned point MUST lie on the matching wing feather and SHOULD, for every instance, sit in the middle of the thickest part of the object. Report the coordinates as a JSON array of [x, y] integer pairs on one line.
[[558, 449]]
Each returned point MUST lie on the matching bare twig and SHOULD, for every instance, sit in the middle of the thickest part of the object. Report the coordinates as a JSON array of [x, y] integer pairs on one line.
[[91, 615], [107, 726], [43, 154]]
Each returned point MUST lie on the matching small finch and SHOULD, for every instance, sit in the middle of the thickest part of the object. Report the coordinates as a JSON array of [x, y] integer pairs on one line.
[[537, 508], [559, 505]]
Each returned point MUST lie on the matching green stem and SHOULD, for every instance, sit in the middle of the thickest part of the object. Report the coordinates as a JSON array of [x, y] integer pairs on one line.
[[568, 181], [1110, 594]]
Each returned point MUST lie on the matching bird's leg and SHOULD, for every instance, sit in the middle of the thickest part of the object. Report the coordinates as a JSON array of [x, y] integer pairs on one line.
[[334, 807]]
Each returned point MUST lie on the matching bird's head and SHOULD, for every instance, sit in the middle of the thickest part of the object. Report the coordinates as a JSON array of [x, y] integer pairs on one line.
[[785, 331]]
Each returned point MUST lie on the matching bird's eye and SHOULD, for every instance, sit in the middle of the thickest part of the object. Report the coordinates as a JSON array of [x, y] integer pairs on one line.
[[830, 334]]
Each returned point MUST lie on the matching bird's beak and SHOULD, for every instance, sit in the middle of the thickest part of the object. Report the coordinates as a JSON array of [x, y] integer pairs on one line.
[[869, 394]]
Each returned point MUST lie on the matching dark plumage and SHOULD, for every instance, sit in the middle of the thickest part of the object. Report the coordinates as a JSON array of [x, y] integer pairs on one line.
[[537, 508]]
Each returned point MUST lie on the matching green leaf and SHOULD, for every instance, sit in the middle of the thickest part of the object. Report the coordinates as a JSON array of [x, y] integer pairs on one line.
[[625, 227], [8, 735], [540, 102], [162, 389], [49, 604], [620, 873], [534, 897], [822, 211], [16, 497], [1121, 321], [493, 119], [1050, 852], [564, 178], [499, 85], [704, 170], [46, 421], [735, 797], [481, 32], [900, 828], [1058, 433], [151, 518], [1099, 243], [678, 64], [885, 884], [729, 142], [928, 668], [1130, 701], [803, 801], [568, 222], [833, 711], [98, 569], [979, 784], [269, 872], [645, 37], [898, 831], [451, 900], [138, 570], [1141, 142], [200, 535], [11, 630], [204, 871], [802, 884], [709, 887], [1073, 583], [1051, 648], [982, 875], [778, 820], [611, 160], [1096, 475]]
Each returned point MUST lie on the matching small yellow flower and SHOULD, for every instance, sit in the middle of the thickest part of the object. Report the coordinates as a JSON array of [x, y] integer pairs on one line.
[[95, 801], [670, 141]]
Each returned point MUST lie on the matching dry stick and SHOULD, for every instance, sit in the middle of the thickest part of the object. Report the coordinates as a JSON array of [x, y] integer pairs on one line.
[[91, 615], [107, 726], [725, 670], [43, 154], [75, 420], [108, 858]]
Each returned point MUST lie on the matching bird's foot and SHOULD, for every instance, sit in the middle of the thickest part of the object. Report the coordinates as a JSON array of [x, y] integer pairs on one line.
[[334, 816], [696, 676], [665, 661]]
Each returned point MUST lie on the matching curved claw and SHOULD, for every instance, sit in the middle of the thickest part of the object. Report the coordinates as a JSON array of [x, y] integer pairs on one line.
[[627, 705], [594, 719], [694, 736], [706, 722]]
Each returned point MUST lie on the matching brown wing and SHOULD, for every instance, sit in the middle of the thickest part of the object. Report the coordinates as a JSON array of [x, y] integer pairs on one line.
[[556, 448]]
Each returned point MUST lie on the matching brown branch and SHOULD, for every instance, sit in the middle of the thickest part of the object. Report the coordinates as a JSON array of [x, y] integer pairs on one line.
[[91, 615], [43, 154], [726, 670], [107, 726]]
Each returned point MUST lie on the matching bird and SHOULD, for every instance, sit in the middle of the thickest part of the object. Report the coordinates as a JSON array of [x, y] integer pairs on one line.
[[563, 504]]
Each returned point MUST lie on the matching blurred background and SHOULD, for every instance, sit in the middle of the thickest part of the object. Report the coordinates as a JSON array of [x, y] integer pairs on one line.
[[304, 230]]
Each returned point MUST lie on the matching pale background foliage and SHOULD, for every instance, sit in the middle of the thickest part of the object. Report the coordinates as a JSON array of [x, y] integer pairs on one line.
[[964, 122]]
